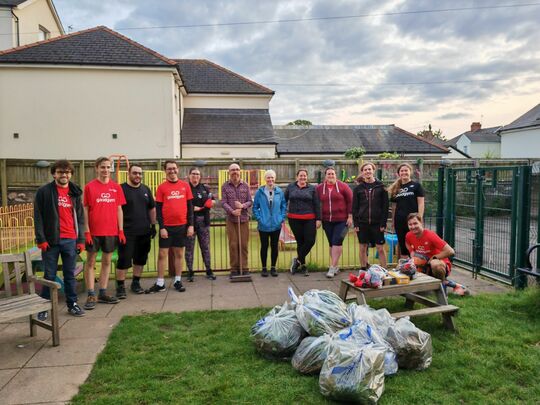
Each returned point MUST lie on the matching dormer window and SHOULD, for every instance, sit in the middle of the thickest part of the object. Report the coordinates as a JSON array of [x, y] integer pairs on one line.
[[43, 34]]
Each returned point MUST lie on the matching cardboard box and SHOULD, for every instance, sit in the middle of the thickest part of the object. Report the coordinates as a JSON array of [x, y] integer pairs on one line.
[[389, 280], [400, 278]]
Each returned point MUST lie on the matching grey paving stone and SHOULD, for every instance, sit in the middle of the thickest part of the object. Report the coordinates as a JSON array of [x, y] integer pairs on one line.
[[6, 375], [17, 352], [91, 327], [32, 385], [70, 352]]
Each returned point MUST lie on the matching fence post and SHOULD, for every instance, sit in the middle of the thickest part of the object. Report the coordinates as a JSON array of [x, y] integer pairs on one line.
[[3, 181], [449, 219], [523, 221], [440, 201], [478, 242]]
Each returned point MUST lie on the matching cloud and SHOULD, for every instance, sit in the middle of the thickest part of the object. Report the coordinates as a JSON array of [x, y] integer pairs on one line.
[[368, 63]]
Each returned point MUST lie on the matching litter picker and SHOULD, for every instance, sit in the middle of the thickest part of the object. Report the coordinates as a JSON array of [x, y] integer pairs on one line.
[[241, 277]]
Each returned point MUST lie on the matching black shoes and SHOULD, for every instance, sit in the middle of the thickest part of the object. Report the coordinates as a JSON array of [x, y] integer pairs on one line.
[[190, 276], [264, 272], [43, 316], [155, 289], [107, 299], [136, 288], [273, 272], [121, 292], [294, 265], [179, 287], [76, 310], [210, 275]]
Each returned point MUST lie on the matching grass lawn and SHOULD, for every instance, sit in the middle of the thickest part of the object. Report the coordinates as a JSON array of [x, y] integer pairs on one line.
[[208, 358]]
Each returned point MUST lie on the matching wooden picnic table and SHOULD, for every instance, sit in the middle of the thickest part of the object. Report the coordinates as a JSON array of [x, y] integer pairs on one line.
[[414, 292]]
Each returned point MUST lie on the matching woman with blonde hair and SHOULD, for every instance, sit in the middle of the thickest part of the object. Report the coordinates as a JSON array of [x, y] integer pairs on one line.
[[407, 196], [269, 210], [370, 213]]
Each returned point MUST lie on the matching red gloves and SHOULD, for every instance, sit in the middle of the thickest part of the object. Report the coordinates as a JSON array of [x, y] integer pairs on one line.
[[88, 238], [208, 203], [80, 247], [121, 237], [43, 246]]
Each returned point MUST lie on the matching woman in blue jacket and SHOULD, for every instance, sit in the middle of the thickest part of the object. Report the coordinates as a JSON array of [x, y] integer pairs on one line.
[[269, 210]]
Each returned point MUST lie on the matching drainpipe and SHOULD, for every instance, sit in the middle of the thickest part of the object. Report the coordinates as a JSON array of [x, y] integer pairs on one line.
[[16, 27]]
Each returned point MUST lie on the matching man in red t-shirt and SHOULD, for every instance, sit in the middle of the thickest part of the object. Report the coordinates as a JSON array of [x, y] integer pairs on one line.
[[58, 224], [174, 209], [430, 252], [104, 225]]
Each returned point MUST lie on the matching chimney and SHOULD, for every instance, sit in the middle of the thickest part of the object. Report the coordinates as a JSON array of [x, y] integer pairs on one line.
[[475, 126]]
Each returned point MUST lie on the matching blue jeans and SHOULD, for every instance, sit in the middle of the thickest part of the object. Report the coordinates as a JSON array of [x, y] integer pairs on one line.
[[68, 250]]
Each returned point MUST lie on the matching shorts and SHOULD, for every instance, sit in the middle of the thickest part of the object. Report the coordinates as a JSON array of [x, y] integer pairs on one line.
[[370, 234], [107, 244], [335, 232], [136, 249], [177, 237]]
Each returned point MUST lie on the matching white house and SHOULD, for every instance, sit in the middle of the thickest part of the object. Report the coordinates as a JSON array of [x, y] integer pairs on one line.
[[478, 143], [96, 92], [23, 22], [521, 138]]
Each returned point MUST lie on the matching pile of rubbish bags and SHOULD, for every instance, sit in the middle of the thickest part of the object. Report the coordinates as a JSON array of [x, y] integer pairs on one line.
[[352, 347]]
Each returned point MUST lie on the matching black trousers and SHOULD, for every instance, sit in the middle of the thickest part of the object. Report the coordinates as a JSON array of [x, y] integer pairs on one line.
[[305, 232], [273, 238]]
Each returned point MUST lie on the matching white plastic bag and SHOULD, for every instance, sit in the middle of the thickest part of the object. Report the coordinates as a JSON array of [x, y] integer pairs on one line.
[[411, 344], [311, 353]]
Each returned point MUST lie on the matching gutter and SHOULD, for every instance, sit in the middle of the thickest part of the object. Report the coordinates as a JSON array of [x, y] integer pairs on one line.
[[16, 27]]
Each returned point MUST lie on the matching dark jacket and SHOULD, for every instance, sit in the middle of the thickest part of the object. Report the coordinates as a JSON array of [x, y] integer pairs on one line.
[[336, 204], [370, 206], [46, 221], [303, 200]]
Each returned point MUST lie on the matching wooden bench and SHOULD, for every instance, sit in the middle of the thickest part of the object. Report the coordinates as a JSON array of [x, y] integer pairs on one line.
[[529, 270], [414, 292], [18, 300]]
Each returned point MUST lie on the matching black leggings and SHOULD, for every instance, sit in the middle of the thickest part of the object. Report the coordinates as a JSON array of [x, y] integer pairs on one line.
[[401, 228], [305, 231], [273, 237]]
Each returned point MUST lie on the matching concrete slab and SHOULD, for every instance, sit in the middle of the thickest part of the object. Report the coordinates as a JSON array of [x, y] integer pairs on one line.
[[15, 354], [7, 375], [33, 385], [83, 328], [188, 303], [139, 307], [231, 301], [20, 331], [271, 300], [70, 352]]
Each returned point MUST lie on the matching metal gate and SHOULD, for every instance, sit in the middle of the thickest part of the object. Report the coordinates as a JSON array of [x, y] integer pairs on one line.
[[487, 218]]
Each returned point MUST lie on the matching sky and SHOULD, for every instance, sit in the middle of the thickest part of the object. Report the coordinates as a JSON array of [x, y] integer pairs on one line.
[[446, 63]]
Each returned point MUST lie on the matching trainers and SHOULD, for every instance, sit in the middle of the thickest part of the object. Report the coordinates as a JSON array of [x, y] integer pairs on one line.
[[107, 299], [76, 310], [273, 272], [264, 272], [91, 302], [121, 292], [331, 272], [294, 265], [210, 275], [461, 290], [136, 288], [43, 315], [234, 273], [155, 289], [179, 287], [304, 270], [190, 276]]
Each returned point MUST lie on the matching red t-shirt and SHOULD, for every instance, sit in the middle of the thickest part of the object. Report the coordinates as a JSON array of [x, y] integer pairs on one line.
[[174, 197], [103, 201], [427, 245], [65, 214]]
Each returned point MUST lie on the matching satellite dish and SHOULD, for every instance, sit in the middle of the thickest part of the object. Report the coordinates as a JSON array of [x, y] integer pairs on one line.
[[329, 163], [42, 163], [200, 163]]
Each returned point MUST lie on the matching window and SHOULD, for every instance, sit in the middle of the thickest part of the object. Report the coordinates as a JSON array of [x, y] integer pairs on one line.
[[466, 149], [43, 33]]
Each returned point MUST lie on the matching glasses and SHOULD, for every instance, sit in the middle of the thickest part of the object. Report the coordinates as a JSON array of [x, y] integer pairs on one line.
[[63, 172]]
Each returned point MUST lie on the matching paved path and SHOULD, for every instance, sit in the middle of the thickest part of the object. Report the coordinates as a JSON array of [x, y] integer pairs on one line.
[[32, 371]]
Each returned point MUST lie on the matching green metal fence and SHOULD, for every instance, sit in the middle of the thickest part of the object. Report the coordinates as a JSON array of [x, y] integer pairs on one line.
[[487, 213]]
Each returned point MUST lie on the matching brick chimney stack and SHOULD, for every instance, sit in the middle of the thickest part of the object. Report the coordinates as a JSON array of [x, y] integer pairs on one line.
[[475, 126]]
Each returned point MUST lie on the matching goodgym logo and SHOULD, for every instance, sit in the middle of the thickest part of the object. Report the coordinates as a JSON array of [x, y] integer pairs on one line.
[[175, 195], [105, 198], [64, 202]]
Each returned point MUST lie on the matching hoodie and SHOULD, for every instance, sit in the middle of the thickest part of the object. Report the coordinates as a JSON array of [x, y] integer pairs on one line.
[[336, 201], [370, 205]]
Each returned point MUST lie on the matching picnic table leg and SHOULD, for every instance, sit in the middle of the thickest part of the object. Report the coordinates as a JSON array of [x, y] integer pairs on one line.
[[360, 298], [343, 289], [448, 321]]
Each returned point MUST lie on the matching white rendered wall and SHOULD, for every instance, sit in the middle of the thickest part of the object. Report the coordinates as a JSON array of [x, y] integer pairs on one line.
[[521, 144]]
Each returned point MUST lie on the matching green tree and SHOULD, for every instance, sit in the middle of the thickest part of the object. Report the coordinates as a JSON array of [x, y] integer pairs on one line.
[[304, 123], [355, 153]]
